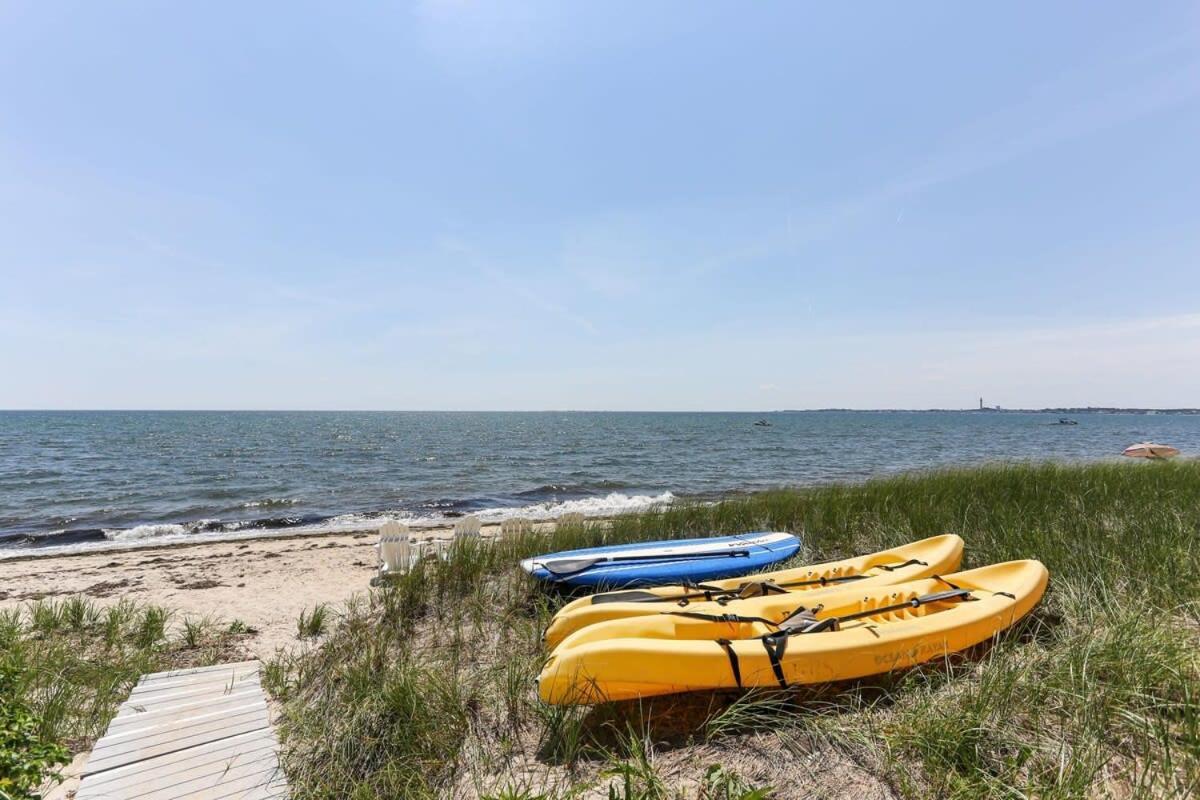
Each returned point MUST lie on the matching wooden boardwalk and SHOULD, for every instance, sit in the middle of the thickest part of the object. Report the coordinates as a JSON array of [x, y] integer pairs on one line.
[[194, 733]]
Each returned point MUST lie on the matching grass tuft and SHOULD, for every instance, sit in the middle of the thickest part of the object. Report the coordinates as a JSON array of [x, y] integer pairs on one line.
[[312, 623]]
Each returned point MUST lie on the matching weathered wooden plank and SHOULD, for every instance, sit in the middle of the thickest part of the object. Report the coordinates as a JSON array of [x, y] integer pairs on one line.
[[213, 756], [232, 776], [272, 788], [165, 725], [235, 784], [223, 677], [154, 677], [180, 771], [199, 697], [126, 749], [170, 728], [171, 693], [178, 714]]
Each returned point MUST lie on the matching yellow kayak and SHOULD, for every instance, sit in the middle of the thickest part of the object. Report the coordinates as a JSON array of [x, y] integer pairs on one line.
[[931, 556], [851, 633]]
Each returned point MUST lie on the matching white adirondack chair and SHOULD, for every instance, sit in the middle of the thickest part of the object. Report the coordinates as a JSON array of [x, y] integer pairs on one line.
[[395, 551], [516, 526], [467, 528]]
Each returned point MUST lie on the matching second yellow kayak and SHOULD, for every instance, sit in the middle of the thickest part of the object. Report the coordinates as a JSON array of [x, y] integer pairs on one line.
[[752, 594], [852, 633]]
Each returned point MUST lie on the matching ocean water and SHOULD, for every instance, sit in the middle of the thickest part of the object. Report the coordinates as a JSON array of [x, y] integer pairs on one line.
[[86, 479]]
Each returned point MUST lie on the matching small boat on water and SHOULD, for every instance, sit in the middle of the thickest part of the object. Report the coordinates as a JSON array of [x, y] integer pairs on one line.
[[1066, 421], [1150, 450], [762, 423]]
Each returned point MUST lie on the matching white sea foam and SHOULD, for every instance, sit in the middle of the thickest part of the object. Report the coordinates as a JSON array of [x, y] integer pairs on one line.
[[343, 522], [600, 506], [142, 535], [141, 532], [271, 502], [607, 505], [613, 503]]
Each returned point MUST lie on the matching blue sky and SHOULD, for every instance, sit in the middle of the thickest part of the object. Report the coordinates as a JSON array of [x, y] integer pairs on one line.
[[455, 205]]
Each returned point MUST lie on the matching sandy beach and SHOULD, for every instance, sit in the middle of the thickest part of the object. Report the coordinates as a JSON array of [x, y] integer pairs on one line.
[[265, 583]]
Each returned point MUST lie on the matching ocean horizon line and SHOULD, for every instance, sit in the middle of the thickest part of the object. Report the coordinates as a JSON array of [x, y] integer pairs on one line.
[[825, 409]]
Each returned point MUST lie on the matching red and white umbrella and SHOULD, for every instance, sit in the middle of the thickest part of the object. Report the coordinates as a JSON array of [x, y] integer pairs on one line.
[[1150, 450]]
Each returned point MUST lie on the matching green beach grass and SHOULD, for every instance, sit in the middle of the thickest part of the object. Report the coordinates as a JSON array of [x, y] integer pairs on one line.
[[426, 688]]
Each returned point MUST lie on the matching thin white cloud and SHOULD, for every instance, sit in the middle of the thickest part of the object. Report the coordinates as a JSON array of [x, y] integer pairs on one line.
[[1059, 111], [508, 283], [537, 298]]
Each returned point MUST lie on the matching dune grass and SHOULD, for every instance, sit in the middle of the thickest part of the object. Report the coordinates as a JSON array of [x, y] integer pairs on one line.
[[425, 688]]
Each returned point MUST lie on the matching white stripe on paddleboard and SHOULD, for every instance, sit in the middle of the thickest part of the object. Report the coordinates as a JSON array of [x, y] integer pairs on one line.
[[609, 569], [734, 543]]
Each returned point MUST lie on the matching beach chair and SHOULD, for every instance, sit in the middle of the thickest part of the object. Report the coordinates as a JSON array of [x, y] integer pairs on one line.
[[572, 520], [467, 528], [516, 526], [395, 551]]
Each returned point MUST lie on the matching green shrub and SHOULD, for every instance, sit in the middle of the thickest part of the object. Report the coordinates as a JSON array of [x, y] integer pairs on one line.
[[27, 759]]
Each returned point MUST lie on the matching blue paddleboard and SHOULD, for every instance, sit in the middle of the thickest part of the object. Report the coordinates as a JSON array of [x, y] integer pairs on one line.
[[666, 562]]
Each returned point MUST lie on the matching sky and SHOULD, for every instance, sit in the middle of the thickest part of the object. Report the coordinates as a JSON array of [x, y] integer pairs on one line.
[[625, 206]]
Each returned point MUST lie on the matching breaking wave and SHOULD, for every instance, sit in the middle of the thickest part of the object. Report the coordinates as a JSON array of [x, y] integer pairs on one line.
[[552, 491], [141, 532], [608, 505], [272, 502], [429, 513]]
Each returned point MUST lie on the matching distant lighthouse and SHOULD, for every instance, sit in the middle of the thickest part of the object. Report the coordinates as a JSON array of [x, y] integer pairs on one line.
[[981, 404]]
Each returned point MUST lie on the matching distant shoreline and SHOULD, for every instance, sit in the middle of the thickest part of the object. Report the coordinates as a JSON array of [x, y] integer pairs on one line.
[[986, 410], [992, 409]]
